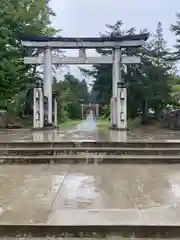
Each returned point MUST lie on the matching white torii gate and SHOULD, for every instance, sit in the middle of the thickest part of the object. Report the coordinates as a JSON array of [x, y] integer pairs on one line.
[[90, 105], [119, 91]]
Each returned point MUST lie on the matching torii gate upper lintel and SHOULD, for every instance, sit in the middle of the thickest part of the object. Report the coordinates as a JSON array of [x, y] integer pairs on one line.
[[119, 91]]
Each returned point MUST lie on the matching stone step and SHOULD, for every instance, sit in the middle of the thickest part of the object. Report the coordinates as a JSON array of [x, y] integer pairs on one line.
[[130, 144], [24, 237], [111, 237], [88, 150], [130, 231], [77, 238], [91, 158]]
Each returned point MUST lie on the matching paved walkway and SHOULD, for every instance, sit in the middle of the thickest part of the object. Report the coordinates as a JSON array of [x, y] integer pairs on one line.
[[94, 194], [142, 134], [73, 238]]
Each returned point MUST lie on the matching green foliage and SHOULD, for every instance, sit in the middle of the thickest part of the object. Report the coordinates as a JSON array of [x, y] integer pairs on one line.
[[175, 28], [148, 82], [71, 93], [152, 84], [17, 18]]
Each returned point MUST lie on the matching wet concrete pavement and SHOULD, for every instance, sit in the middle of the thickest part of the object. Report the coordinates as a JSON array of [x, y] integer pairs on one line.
[[69, 238], [77, 135], [90, 194], [86, 130], [94, 194]]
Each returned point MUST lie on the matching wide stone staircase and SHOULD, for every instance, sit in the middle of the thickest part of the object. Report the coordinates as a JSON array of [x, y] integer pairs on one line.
[[132, 152], [90, 152]]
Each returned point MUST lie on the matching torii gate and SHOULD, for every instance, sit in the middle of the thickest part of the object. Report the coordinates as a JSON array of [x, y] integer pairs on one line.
[[119, 97], [90, 106]]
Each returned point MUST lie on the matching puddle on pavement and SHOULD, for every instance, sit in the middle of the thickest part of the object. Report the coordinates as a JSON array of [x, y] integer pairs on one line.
[[80, 190], [87, 125], [87, 131], [132, 189], [101, 187], [84, 130], [81, 238], [95, 186], [174, 191]]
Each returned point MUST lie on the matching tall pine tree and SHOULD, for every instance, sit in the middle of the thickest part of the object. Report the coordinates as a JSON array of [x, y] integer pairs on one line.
[[29, 17]]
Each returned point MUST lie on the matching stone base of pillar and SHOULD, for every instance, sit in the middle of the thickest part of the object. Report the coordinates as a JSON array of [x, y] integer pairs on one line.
[[118, 136], [115, 128], [48, 127], [45, 128], [113, 111]]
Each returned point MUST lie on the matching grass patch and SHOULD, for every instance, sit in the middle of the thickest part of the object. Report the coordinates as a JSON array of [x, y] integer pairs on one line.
[[104, 123], [133, 123], [68, 124], [100, 123]]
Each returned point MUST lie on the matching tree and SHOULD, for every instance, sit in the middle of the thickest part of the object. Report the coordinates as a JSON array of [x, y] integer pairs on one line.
[[175, 28], [153, 89], [71, 94], [17, 18], [147, 83]]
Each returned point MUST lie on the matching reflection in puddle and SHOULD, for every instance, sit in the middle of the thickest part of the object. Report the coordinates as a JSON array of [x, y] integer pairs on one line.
[[81, 187], [174, 190], [172, 140], [174, 181], [155, 187], [78, 191], [87, 125], [57, 182], [83, 131]]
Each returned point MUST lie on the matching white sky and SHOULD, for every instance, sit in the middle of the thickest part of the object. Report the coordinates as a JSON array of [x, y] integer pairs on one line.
[[89, 17]]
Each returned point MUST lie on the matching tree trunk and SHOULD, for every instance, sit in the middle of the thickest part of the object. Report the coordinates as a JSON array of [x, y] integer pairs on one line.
[[144, 118]]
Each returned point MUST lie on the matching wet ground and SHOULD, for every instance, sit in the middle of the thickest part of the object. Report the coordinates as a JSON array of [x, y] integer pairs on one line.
[[90, 194], [142, 134], [107, 238], [87, 131], [94, 194]]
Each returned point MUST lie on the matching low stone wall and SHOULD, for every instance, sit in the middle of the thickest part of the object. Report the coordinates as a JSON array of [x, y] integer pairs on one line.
[[3, 118], [171, 119]]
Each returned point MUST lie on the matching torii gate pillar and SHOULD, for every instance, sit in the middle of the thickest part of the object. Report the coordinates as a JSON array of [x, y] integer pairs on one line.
[[119, 94], [48, 81]]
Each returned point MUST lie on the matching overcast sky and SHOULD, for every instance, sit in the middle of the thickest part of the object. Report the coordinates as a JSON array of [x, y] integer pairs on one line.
[[89, 17]]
